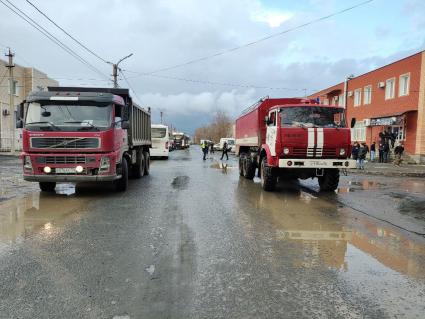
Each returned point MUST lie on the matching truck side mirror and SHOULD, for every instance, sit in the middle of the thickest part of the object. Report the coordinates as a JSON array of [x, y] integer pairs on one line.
[[20, 115], [266, 120], [125, 125], [353, 122]]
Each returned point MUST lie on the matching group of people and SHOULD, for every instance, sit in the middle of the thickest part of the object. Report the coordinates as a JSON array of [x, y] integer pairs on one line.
[[209, 147], [359, 152]]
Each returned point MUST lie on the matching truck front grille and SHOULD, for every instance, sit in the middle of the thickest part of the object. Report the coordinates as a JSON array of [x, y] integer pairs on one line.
[[64, 142], [303, 152], [65, 159]]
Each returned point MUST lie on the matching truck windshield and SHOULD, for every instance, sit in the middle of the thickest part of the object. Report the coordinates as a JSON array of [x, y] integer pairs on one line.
[[68, 117], [312, 116], [158, 132]]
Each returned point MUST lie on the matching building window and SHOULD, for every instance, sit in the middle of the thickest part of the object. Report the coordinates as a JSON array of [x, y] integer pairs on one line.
[[357, 97], [341, 100], [389, 89], [404, 85], [358, 133], [325, 102], [367, 95], [15, 88]]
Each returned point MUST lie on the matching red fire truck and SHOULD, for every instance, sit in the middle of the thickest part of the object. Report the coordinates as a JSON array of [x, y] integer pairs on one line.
[[291, 138], [73, 134]]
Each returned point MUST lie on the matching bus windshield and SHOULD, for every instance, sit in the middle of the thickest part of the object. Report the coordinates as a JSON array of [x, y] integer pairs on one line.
[[158, 132], [312, 116]]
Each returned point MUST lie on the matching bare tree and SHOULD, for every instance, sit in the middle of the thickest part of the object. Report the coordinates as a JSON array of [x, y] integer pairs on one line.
[[221, 126]]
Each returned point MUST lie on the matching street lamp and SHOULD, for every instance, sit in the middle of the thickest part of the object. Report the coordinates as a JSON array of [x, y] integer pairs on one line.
[[347, 78], [115, 69]]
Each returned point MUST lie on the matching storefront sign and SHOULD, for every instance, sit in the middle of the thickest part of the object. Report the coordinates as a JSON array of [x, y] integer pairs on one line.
[[386, 121]]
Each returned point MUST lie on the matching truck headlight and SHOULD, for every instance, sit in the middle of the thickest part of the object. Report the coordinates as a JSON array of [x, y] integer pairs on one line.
[[27, 163], [341, 151], [285, 150], [104, 163], [47, 170]]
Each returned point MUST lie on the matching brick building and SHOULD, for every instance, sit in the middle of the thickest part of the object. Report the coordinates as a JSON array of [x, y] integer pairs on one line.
[[26, 79], [391, 97]]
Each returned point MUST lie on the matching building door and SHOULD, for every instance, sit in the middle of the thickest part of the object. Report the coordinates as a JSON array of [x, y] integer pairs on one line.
[[399, 132]]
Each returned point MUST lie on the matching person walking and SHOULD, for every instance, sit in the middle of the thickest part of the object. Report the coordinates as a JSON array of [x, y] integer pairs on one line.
[[225, 150], [398, 152], [381, 152], [204, 147], [363, 149], [386, 150], [355, 151], [212, 148], [372, 152]]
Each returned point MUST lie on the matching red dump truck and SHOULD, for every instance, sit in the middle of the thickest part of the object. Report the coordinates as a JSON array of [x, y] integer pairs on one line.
[[291, 138], [75, 134]]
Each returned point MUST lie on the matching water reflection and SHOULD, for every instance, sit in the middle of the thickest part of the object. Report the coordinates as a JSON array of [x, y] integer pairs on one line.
[[319, 232], [38, 213]]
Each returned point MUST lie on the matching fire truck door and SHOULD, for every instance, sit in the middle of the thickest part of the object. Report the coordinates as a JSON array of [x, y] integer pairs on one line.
[[271, 132]]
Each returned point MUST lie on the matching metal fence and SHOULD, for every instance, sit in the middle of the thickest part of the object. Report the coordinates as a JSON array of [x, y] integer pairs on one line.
[[6, 140]]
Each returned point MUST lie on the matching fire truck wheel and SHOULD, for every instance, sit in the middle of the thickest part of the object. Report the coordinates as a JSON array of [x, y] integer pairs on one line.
[[147, 158], [329, 181], [122, 183], [249, 168], [241, 164], [268, 180], [47, 186], [138, 169]]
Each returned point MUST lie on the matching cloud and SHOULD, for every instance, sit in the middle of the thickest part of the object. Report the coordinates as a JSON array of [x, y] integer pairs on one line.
[[273, 18]]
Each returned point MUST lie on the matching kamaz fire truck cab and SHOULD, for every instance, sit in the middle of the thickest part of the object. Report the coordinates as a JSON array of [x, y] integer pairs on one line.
[[294, 138]]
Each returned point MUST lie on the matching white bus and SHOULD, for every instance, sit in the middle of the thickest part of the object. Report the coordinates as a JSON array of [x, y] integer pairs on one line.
[[160, 141]]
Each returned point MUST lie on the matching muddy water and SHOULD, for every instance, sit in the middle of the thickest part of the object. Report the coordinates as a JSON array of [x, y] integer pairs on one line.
[[39, 213], [372, 259]]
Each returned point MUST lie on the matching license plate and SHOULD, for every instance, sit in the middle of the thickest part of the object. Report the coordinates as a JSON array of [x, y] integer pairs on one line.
[[65, 170], [319, 163]]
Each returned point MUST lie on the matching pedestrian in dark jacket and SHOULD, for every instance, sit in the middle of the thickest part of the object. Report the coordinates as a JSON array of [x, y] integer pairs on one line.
[[225, 150], [398, 152], [386, 151], [363, 149], [381, 152], [212, 148], [355, 151]]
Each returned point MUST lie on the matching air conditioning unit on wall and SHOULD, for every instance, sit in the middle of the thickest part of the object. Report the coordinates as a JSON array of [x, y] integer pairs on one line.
[[350, 93], [381, 85]]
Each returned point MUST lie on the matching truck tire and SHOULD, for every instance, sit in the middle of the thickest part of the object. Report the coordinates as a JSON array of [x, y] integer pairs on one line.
[[138, 169], [249, 168], [122, 183], [241, 164], [147, 158], [268, 180], [47, 186], [329, 181]]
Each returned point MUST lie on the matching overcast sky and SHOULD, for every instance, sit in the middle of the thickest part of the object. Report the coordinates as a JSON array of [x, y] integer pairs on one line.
[[164, 33]]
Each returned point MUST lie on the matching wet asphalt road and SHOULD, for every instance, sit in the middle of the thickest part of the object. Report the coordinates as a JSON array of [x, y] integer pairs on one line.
[[192, 240]]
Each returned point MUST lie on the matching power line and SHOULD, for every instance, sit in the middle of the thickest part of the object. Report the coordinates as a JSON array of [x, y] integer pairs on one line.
[[51, 37], [249, 86], [129, 85], [261, 39], [69, 35]]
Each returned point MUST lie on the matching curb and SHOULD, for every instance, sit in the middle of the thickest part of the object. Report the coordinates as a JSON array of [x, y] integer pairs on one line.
[[389, 174]]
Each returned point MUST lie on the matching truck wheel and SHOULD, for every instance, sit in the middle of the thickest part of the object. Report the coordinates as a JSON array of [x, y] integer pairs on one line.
[[241, 164], [147, 158], [122, 183], [329, 181], [47, 186], [138, 169], [268, 180], [249, 171]]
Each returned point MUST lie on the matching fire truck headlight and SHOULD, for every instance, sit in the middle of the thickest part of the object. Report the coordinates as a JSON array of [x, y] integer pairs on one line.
[[285, 150], [104, 163], [47, 170], [79, 169], [341, 151], [27, 163]]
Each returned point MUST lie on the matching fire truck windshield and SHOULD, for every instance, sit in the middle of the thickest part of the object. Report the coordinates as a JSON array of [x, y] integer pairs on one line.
[[312, 116], [68, 117]]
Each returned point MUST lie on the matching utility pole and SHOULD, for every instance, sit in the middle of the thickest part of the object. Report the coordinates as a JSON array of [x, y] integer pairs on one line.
[[161, 113], [10, 66], [115, 69]]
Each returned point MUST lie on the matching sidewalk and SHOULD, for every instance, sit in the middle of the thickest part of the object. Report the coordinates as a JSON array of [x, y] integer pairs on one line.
[[389, 169]]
